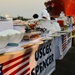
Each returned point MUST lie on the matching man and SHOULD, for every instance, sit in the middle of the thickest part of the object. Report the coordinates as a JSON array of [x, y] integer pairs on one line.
[[45, 14]]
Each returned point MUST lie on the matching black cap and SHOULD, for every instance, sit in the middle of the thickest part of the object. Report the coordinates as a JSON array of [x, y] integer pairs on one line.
[[35, 16]]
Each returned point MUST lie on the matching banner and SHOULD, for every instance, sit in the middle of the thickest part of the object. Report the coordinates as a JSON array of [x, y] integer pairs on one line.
[[45, 59], [62, 44], [16, 64]]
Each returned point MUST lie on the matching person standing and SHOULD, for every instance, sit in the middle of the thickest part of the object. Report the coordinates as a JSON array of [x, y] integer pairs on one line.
[[45, 13]]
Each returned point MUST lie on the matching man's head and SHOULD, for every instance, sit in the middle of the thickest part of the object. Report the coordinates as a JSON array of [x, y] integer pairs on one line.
[[46, 5], [50, 7]]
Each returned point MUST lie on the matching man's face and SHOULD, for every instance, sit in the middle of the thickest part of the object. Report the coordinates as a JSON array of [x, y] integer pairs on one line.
[[49, 9]]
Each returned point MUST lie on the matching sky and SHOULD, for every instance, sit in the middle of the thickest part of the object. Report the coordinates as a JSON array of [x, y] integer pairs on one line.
[[25, 8]]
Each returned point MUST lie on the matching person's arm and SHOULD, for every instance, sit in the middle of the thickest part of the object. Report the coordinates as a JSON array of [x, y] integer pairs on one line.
[[44, 17]]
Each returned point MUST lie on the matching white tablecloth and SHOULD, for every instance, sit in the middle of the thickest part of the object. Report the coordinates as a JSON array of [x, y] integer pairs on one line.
[[4, 25]]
